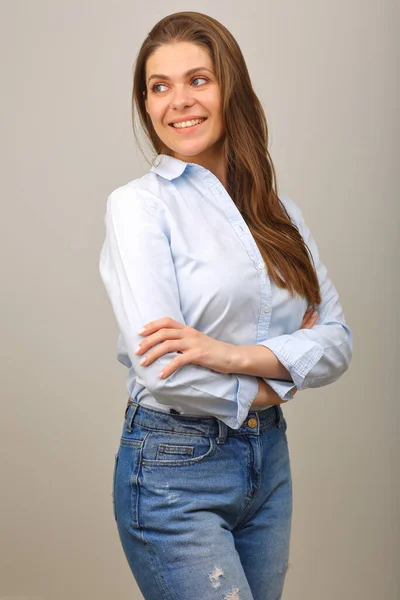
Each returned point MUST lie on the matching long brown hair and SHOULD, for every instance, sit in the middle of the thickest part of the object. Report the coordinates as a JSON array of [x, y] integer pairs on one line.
[[251, 177]]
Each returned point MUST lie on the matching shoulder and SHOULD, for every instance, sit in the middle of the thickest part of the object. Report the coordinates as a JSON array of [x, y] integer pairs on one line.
[[296, 215], [138, 206], [297, 218], [292, 208], [138, 194]]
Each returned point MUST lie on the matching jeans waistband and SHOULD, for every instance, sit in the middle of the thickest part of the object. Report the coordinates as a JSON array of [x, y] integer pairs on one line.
[[144, 416]]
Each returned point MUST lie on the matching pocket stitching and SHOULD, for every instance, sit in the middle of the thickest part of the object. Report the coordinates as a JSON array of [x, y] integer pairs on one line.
[[175, 449], [186, 462]]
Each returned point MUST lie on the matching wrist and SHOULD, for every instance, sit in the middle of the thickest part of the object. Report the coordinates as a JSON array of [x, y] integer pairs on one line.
[[238, 359], [266, 395], [263, 396]]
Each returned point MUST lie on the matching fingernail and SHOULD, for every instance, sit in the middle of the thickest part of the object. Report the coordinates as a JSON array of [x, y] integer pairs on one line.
[[309, 308], [142, 330], [314, 314]]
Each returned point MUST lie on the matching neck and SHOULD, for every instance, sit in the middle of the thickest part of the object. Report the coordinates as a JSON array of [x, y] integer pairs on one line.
[[213, 160]]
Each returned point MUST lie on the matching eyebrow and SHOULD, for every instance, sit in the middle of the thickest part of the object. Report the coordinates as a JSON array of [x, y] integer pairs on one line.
[[187, 74]]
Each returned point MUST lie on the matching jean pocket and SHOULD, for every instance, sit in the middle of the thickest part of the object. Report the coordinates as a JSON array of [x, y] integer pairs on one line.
[[127, 486], [163, 448], [113, 484]]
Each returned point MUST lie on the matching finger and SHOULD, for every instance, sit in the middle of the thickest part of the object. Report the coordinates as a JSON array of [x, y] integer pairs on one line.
[[309, 322], [304, 321], [164, 348], [307, 313], [156, 338], [175, 364], [166, 322]]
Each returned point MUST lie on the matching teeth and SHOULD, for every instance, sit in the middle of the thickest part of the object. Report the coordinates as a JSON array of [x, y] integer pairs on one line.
[[184, 124]]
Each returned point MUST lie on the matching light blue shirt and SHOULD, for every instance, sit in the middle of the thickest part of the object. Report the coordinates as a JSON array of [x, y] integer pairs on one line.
[[177, 246]]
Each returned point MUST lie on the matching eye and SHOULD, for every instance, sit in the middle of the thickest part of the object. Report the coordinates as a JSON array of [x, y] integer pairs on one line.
[[203, 78], [153, 89]]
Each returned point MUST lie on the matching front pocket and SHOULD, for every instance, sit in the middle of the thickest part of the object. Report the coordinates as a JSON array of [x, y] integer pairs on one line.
[[166, 449]]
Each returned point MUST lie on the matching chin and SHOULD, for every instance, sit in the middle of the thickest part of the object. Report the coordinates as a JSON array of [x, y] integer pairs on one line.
[[187, 151], [191, 149]]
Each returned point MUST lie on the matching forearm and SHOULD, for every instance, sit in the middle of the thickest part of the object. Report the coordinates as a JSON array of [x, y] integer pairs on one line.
[[266, 396], [258, 361]]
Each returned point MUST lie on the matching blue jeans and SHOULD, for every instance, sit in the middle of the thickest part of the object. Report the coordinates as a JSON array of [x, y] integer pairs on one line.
[[204, 511]]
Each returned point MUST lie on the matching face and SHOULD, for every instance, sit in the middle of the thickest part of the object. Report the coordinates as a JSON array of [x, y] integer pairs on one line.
[[175, 95]]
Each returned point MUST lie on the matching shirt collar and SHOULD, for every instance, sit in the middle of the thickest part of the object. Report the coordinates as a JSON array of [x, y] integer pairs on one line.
[[168, 167]]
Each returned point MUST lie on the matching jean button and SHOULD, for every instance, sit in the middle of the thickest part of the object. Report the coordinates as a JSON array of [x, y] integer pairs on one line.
[[252, 423]]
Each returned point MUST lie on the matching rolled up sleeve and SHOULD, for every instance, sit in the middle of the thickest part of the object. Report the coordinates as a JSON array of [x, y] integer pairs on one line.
[[318, 356], [283, 388]]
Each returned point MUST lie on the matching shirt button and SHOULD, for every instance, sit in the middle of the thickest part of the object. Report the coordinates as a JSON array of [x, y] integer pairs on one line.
[[267, 308], [260, 265]]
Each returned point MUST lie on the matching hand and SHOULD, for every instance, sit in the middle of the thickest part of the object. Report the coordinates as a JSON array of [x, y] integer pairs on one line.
[[193, 347], [308, 321]]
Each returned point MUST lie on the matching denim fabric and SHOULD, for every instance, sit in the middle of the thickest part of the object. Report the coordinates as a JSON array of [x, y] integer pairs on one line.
[[204, 511]]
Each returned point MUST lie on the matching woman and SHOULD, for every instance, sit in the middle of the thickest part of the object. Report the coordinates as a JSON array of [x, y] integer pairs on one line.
[[219, 269]]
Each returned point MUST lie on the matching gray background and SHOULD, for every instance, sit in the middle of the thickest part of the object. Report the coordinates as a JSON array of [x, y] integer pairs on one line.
[[327, 75]]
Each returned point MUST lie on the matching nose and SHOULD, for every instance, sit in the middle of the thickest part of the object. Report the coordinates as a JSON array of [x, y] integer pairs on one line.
[[181, 97]]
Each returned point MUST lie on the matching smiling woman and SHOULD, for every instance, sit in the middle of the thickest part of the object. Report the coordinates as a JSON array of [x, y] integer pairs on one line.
[[220, 270], [185, 104]]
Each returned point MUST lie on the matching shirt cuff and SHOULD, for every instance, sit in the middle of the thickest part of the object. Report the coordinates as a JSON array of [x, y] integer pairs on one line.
[[247, 391], [297, 356], [283, 388]]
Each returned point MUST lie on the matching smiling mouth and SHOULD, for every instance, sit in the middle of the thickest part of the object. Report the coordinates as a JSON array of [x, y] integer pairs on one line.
[[182, 126]]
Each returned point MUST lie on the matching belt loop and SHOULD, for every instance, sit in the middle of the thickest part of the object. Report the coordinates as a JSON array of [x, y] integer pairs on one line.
[[222, 432], [129, 420]]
